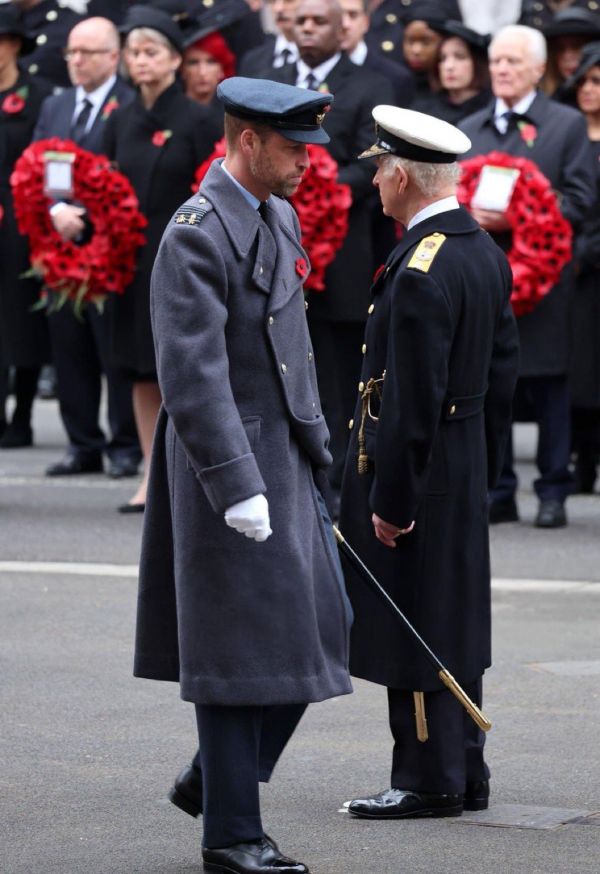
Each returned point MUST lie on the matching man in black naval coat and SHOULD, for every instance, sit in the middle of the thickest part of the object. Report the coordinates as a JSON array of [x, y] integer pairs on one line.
[[337, 315], [80, 346], [560, 148], [433, 413], [241, 594]]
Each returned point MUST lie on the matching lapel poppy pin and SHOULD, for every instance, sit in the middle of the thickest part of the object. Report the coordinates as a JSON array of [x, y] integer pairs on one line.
[[15, 102], [378, 273], [301, 267], [528, 132], [160, 137], [111, 104]]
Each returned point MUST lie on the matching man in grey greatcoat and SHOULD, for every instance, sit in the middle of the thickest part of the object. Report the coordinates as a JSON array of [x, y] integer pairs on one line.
[[241, 595]]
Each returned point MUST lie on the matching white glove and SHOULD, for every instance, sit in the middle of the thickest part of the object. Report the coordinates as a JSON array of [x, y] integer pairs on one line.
[[250, 517]]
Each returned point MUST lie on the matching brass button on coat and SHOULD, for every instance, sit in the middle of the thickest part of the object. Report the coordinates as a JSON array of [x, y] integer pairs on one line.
[[452, 409], [284, 368], [361, 386], [351, 424], [42, 39], [371, 308], [271, 320], [364, 348]]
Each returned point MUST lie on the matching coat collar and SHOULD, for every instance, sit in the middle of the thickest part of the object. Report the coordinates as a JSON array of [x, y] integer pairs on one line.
[[453, 222], [240, 221], [536, 114]]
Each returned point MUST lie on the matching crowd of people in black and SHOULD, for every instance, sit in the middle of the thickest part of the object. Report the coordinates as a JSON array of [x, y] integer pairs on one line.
[[65, 65]]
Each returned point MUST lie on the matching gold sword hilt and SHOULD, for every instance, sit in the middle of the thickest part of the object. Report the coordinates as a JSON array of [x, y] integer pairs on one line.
[[472, 709]]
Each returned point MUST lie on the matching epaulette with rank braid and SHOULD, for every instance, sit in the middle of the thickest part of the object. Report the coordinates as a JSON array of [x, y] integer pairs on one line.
[[192, 213], [422, 257]]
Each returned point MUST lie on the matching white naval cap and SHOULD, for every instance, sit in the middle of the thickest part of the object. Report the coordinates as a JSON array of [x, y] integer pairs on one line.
[[415, 136]]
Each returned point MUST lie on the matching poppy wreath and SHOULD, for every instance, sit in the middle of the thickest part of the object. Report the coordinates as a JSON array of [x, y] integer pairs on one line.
[[105, 264], [541, 236], [322, 204]]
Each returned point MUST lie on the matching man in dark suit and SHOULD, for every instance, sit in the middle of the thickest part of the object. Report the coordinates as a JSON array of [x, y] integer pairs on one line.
[[524, 122], [337, 315], [540, 13], [241, 595], [80, 347], [433, 414], [276, 50], [356, 21]]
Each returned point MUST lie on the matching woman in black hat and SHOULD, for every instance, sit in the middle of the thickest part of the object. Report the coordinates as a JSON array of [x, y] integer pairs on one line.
[[420, 44], [584, 89], [567, 34], [462, 77], [158, 142], [24, 343], [207, 60]]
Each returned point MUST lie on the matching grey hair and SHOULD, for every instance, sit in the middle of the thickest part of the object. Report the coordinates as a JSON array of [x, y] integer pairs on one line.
[[430, 179], [535, 40], [154, 35]]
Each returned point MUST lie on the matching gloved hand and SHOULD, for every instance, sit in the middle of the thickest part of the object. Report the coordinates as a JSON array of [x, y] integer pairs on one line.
[[250, 517]]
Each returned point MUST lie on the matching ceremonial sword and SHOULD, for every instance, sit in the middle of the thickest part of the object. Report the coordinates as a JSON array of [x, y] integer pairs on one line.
[[445, 676]]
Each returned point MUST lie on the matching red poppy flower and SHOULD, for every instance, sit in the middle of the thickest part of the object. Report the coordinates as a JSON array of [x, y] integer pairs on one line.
[[378, 273], [528, 132], [301, 267], [13, 104], [322, 204], [541, 236], [160, 137]]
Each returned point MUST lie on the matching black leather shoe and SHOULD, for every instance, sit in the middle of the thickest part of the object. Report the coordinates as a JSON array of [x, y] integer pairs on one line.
[[131, 508], [503, 511], [257, 857], [71, 465], [16, 436], [402, 804], [477, 795], [186, 792], [551, 514], [122, 467]]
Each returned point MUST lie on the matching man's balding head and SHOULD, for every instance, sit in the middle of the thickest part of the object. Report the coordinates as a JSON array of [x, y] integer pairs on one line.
[[93, 50]]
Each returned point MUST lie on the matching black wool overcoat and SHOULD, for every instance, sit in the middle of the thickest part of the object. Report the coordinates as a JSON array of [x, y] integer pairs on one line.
[[447, 342], [235, 621], [584, 369], [562, 152], [23, 333], [162, 176]]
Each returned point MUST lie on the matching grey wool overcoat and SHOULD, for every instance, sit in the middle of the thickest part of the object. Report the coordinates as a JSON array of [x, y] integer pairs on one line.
[[234, 621]]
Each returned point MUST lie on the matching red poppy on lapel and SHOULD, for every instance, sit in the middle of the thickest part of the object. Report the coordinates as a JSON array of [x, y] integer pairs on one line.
[[160, 137], [528, 132], [378, 273], [301, 267], [13, 104]]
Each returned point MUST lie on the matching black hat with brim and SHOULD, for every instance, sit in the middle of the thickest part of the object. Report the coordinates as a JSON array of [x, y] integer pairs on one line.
[[573, 22], [477, 42], [156, 19], [590, 57], [295, 113], [11, 25], [424, 10]]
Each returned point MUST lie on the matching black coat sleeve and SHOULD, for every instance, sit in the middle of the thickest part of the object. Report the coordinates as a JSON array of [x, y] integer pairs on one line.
[[416, 381], [502, 378], [578, 181]]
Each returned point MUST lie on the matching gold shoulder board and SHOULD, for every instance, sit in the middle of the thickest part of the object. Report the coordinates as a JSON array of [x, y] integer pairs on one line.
[[422, 257]]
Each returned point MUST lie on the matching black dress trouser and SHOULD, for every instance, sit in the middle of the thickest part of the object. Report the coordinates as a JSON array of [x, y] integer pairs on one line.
[[80, 354], [453, 755], [239, 746]]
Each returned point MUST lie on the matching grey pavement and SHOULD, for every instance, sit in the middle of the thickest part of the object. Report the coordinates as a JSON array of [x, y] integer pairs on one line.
[[88, 753]]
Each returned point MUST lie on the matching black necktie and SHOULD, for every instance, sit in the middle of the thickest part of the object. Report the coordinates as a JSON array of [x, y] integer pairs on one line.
[[285, 56], [311, 82], [78, 128], [263, 208]]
